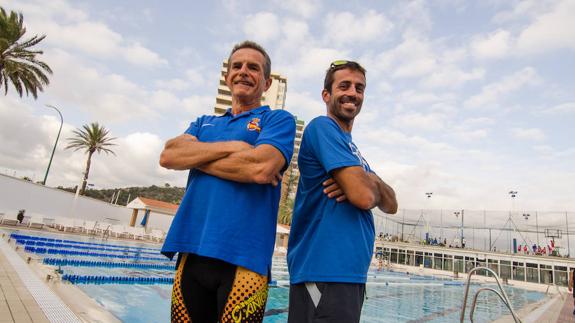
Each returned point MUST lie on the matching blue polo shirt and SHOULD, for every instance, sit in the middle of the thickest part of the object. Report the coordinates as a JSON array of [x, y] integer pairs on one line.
[[329, 241], [227, 220]]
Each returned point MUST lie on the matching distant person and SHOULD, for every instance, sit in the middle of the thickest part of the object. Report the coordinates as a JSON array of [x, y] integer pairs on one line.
[[571, 281], [332, 234], [20, 216], [225, 227]]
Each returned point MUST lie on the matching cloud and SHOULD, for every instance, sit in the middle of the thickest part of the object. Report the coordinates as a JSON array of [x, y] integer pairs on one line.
[[173, 84], [451, 76], [303, 8], [560, 109], [295, 32], [72, 28], [413, 57], [521, 10], [414, 18], [311, 63], [27, 142], [110, 97], [262, 26], [305, 105], [197, 105], [419, 121], [346, 28], [550, 31], [491, 93], [494, 45], [531, 134]]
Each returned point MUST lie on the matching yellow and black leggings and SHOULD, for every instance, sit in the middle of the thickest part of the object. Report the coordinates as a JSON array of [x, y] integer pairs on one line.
[[211, 290]]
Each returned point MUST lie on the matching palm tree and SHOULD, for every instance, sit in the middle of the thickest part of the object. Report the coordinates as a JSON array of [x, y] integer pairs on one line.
[[289, 182], [18, 63], [93, 138]]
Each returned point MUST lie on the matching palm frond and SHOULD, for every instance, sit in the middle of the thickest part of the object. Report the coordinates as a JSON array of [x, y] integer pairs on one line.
[[19, 65]]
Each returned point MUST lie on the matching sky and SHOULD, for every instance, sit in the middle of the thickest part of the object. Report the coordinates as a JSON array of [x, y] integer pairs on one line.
[[468, 100]]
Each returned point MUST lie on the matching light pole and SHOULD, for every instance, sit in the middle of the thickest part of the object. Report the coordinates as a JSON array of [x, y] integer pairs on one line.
[[428, 194], [55, 144], [457, 213], [526, 217], [513, 194]]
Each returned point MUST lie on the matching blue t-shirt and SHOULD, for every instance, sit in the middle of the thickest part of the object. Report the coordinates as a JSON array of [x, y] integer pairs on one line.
[[329, 241], [227, 220]]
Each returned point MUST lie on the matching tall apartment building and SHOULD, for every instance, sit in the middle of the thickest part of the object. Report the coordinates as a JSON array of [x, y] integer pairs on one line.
[[275, 97]]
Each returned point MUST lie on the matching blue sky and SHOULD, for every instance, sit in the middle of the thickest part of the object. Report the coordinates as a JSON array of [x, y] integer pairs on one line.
[[467, 100]]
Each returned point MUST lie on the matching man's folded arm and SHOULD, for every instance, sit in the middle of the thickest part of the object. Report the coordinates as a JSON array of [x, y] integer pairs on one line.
[[186, 152], [387, 201], [365, 190], [261, 165]]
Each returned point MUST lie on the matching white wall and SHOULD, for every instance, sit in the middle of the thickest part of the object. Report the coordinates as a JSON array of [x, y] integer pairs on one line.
[[50, 202]]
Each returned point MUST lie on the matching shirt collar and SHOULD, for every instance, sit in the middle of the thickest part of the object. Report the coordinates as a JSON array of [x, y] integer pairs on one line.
[[258, 110]]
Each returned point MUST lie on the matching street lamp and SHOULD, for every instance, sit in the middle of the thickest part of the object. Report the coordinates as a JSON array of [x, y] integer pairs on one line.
[[55, 144], [512, 194], [457, 213], [428, 194]]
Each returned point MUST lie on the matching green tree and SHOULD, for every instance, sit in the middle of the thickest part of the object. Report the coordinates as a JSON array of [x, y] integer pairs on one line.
[[18, 63], [93, 138]]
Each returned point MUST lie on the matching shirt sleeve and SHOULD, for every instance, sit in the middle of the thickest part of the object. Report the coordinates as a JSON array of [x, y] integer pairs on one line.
[[194, 127], [330, 145], [279, 131]]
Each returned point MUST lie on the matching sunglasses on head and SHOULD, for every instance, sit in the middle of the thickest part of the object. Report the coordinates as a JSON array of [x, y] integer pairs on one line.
[[340, 62]]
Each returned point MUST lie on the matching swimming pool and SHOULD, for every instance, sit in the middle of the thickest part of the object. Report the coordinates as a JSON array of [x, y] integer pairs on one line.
[[133, 282]]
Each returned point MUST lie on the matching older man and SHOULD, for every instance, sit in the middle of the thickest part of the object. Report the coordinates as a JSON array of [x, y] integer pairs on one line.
[[332, 233], [224, 230]]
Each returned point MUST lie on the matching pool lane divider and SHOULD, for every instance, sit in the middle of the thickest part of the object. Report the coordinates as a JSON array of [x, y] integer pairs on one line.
[[97, 280], [72, 246], [86, 279], [105, 264], [50, 251], [18, 236]]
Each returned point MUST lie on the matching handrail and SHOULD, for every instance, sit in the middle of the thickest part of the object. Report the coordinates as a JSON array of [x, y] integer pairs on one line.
[[498, 294], [503, 294]]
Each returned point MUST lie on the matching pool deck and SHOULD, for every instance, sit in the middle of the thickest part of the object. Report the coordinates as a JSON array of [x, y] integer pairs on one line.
[[32, 299], [566, 314], [16, 302]]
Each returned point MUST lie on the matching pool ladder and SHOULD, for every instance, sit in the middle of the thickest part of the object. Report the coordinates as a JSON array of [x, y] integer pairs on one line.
[[502, 295]]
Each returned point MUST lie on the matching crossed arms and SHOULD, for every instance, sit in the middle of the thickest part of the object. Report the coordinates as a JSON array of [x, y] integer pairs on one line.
[[363, 189], [232, 160]]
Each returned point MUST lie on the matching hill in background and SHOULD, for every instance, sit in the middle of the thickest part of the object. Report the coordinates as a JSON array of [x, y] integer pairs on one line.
[[166, 193]]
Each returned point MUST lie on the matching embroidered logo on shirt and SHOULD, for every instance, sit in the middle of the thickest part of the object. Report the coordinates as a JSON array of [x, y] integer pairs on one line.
[[254, 125], [357, 154]]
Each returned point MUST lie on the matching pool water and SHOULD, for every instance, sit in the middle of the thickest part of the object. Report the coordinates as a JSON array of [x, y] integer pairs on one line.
[[391, 296]]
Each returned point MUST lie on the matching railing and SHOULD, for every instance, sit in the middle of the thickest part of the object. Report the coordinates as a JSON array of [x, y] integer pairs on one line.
[[502, 295]]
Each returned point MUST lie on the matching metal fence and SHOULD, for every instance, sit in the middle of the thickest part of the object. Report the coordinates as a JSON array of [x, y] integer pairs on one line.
[[505, 231]]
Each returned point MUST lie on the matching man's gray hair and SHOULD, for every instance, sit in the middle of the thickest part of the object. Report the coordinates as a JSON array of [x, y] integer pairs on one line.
[[256, 46]]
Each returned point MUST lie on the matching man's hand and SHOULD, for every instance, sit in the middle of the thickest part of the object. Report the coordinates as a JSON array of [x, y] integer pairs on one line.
[[332, 190]]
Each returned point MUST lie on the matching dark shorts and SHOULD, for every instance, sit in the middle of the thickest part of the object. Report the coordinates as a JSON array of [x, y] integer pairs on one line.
[[210, 290], [325, 302]]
